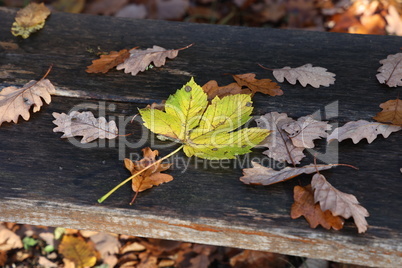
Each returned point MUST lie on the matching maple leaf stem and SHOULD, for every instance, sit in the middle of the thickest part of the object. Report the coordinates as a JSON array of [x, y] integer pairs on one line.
[[103, 198]]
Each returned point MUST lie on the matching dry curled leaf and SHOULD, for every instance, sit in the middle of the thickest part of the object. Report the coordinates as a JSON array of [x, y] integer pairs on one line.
[[139, 60], [339, 203], [280, 146], [30, 19], [152, 176], [390, 73], [358, 130], [306, 74], [289, 137], [265, 86], [306, 129], [84, 124], [391, 113], [107, 62], [305, 205], [260, 175], [17, 101], [77, 250], [212, 89]]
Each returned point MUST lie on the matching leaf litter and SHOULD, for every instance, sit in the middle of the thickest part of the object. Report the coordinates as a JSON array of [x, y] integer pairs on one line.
[[88, 249]]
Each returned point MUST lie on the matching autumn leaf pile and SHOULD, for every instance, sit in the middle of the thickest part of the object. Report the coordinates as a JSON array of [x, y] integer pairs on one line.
[[349, 16], [40, 246]]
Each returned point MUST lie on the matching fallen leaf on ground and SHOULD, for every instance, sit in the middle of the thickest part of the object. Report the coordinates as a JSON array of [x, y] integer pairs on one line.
[[289, 137], [304, 205], [391, 113], [107, 62], [358, 130], [205, 256], [339, 203], [77, 250], [390, 73], [147, 260], [206, 130], [394, 21], [265, 86], [44, 262], [306, 129], [17, 101], [212, 89], [152, 176], [139, 60], [257, 259], [106, 244], [306, 74], [132, 247], [169, 9], [260, 175], [30, 19], [9, 240], [84, 124]]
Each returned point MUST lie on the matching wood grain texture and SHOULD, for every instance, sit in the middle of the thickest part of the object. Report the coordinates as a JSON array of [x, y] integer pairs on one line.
[[48, 181]]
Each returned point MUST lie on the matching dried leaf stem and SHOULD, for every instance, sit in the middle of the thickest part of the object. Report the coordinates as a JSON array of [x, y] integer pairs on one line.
[[103, 198]]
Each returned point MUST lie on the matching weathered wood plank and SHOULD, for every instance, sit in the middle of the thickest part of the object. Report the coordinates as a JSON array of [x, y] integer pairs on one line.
[[45, 180]]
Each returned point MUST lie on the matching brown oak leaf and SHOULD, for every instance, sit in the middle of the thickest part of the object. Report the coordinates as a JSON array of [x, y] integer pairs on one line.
[[306, 74], [358, 130], [265, 86], [84, 124], [139, 60], [280, 146], [289, 137], [390, 72], [304, 205], [339, 203], [212, 89], [150, 177], [260, 175], [306, 129], [391, 113], [107, 62], [17, 101]]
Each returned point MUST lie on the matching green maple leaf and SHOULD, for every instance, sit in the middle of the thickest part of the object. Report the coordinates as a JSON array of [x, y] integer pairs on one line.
[[206, 130]]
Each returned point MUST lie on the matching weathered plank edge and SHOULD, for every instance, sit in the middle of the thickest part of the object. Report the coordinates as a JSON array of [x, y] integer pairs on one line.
[[199, 230]]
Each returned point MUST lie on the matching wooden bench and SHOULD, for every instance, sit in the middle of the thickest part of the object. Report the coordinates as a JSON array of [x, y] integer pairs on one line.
[[45, 180]]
